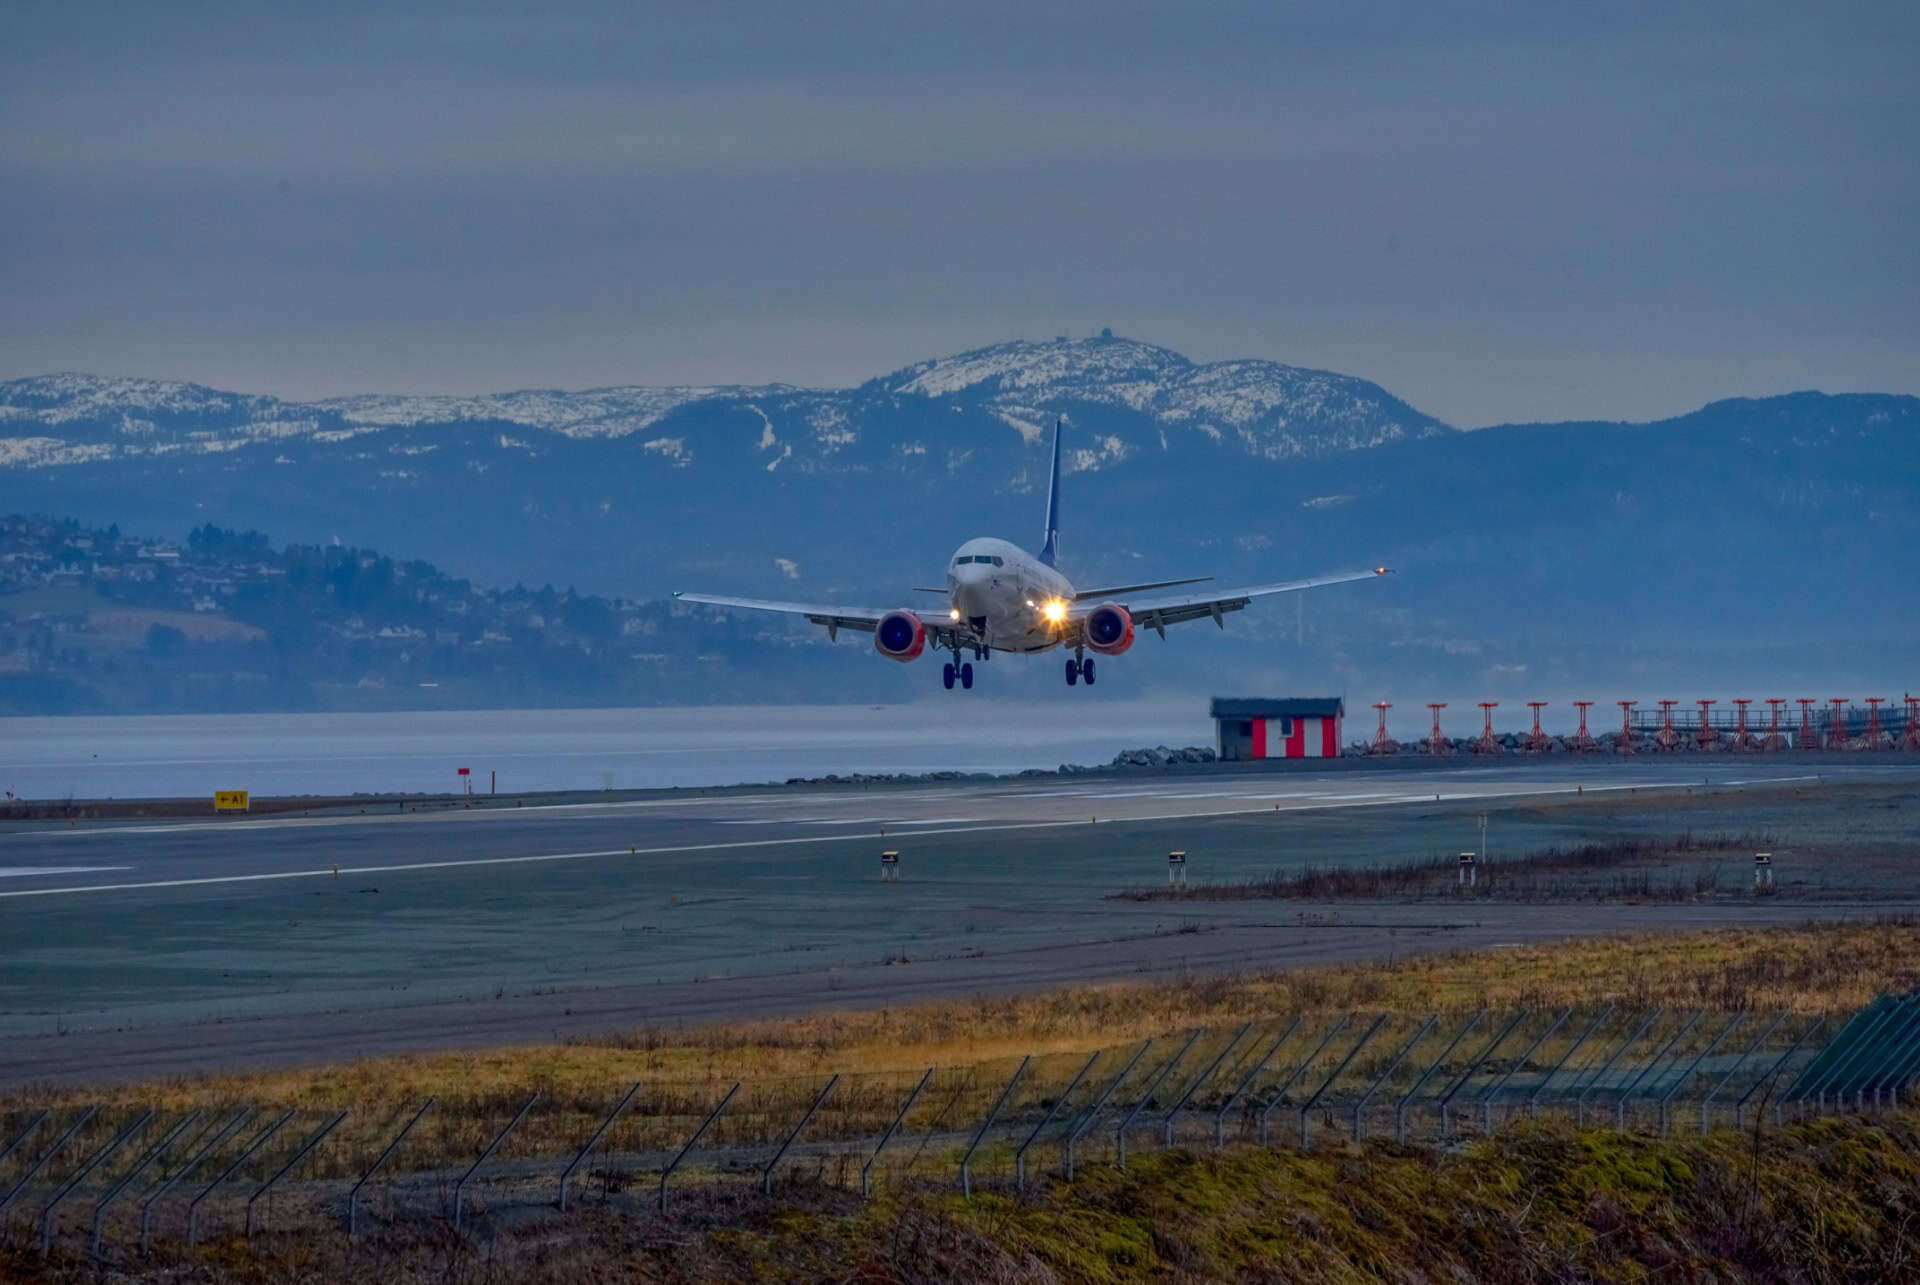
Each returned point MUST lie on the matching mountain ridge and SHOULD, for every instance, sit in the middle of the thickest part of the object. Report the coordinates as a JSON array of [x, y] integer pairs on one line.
[[1266, 408]]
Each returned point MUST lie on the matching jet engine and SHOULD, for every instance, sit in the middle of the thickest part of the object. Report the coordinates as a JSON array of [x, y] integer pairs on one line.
[[899, 635], [1109, 629]]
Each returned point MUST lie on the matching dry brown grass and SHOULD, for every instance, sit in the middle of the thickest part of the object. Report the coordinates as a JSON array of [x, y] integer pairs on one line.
[[1810, 969], [1526, 878]]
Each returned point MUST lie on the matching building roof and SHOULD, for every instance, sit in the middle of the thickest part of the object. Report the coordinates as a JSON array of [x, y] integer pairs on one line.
[[1279, 707]]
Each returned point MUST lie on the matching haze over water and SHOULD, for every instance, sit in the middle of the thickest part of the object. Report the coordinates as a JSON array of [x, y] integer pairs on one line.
[[572, 749]]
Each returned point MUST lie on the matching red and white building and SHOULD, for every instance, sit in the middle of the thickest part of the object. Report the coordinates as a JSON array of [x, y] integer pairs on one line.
[[1287, 728]]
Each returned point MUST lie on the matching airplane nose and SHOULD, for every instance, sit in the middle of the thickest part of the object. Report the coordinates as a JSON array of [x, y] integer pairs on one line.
[[970, 590]]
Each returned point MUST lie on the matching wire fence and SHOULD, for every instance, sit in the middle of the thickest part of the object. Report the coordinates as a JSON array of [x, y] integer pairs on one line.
[[113, 1180]]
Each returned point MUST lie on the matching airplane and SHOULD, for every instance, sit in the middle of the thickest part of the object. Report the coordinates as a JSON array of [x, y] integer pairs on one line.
[[1001, 598]]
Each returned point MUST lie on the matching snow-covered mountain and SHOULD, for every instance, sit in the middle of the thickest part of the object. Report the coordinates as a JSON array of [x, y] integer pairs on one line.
[[1132, 397]]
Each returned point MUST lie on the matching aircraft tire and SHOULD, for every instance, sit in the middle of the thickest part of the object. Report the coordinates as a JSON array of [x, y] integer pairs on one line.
[[946, 675], [1086, 671], [966, 676], [1073, 672]]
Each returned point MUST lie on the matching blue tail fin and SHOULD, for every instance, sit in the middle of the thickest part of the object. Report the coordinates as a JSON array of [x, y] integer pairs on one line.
[[1051, 549]]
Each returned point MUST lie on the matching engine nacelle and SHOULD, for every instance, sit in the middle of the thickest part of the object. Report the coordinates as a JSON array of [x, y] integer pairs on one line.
[[1109, 629], [899, 635]]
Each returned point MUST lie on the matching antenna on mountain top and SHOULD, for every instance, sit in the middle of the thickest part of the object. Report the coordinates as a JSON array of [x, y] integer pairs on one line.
[[1051, 548]]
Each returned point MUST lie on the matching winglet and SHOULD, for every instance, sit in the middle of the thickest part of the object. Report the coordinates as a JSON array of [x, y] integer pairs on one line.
[[1051, 548]]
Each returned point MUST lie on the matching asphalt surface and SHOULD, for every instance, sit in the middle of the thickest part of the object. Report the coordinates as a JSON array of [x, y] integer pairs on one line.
[[135, 949]]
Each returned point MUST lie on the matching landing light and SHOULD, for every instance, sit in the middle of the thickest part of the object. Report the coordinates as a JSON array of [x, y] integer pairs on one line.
[[1055, 611], [953, 613]]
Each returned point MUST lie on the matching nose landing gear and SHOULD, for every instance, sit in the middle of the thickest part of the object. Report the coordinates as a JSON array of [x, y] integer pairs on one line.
[[957, 669], [1080, 668]]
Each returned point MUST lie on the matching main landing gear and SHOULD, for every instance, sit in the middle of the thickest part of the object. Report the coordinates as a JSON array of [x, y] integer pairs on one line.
[[962, 670], [1079, 668]]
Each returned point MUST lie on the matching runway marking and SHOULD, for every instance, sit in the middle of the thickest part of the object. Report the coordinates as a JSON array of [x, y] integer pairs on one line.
[[1312, 787], [736, 845], [27, 872]]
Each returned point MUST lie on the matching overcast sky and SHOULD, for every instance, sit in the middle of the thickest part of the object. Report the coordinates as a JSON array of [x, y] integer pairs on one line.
[[1499, 211]]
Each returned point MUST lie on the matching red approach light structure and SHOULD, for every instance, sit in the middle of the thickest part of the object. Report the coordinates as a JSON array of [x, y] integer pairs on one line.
[[1583, 742], [1486, 744], [1625, 745], [1910, 739], [1876, 739], [1837, 738], [1744, 741], [1437, 744], [1537, 740], [1775, 742], [1806, 740], [1707, 740], [1666, 739], [1382, 743]]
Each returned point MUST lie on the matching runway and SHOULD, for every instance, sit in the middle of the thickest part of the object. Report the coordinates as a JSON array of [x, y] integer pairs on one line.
[[133, 949]]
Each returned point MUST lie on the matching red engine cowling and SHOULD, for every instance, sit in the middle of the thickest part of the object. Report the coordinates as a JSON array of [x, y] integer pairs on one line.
[[899, 635], [1109, 629]]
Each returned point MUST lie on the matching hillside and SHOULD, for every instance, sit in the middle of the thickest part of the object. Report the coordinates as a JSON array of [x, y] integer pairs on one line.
[[1710, 548], [94, 621]]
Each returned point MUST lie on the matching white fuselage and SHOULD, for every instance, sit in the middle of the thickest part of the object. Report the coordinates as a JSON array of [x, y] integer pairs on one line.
[[1012, 600]]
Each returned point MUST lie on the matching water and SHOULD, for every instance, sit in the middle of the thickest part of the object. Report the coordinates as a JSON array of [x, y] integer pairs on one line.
[[281, 754]]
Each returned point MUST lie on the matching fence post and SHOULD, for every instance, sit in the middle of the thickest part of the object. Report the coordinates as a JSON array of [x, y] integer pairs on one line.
[[1020, 1155], [1626, 1094], [1473, 1069], [1666, 1099], [1893, 1039], [697, 1133], [33, 1124], [566, 1175], [194, 1161], [193, 1206], [1153, 1086], [33, 1170], [1206, 1074], [766, 1175], [1706, 1102], [1899, 1070], [353, 1196], [1246, 1081], [1843, 1049], [1488, 1094], [460, 1187], [1406, 1099], [319, 1135], [866, 1185], [1739, 1108], [1079, 1127], [1580, 1102], [79, 1175], [139, 1166], [1392, 1066], [1893, 1067], [1533, 1099], [1279, 1095], [1338, 1071], [1846, 1039], [966, 1174]]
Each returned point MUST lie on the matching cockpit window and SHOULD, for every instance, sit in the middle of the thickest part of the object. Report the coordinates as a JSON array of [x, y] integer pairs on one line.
[[961, 562], [997, 560]]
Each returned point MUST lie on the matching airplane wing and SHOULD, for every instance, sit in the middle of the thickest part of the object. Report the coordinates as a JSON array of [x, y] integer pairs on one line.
[[1173, 611], [1115, 591], [834, 618]]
